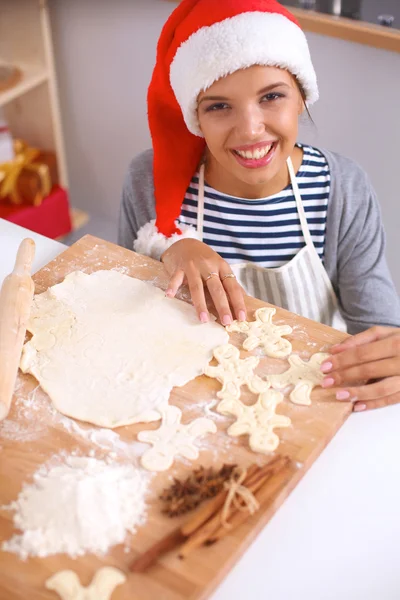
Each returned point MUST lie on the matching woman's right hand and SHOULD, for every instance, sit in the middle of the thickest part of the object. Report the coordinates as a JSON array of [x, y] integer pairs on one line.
[[193, 261]]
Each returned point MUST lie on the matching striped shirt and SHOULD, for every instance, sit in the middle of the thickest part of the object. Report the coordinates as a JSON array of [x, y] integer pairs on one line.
[[265, 231]]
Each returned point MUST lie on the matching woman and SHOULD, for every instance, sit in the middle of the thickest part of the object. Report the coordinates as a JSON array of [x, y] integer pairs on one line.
[[227, 199]]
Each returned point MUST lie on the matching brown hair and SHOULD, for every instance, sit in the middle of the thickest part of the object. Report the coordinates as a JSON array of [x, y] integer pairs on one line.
[[304, 98]]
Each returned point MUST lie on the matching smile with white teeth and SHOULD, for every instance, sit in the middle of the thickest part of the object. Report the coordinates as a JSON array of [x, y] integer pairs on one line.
[[255, 154]]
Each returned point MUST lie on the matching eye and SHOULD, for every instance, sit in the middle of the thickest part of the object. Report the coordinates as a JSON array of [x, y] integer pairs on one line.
[[216, 107], [272, 96]]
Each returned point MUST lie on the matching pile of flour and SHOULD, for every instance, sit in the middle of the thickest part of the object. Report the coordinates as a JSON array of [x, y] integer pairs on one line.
[[76, 506]]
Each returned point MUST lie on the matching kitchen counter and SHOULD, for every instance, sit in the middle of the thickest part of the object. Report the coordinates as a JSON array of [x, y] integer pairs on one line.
[[337, 536]]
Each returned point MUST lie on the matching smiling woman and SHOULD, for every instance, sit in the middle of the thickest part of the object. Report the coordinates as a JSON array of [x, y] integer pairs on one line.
[[229, 200]]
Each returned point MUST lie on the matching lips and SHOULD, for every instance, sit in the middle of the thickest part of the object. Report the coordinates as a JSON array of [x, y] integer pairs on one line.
[[256, 155]]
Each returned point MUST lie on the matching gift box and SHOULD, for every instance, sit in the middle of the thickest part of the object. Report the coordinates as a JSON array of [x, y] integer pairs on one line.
[[50, 218], [29, 177]]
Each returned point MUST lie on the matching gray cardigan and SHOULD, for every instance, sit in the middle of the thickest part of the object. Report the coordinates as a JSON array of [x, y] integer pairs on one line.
[[354, 244]]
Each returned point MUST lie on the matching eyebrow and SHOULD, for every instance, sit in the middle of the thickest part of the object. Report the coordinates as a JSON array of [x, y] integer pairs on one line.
[[264, 90]]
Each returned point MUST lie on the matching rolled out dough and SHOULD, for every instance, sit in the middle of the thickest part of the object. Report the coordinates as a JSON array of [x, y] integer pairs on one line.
[[108, 348]]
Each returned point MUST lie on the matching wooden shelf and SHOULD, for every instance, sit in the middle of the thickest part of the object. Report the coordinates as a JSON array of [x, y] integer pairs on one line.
[[351, 30], [32, 76]]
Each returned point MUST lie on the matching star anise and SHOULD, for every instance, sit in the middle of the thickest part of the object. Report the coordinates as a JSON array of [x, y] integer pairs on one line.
[[183, 496]]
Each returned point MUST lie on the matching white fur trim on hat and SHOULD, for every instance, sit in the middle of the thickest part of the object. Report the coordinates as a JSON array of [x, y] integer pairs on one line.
[[153, 243], [251, 38]]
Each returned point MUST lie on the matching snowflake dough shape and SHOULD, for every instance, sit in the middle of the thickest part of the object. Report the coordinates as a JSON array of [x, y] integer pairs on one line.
[[67, 585], [173, 438], [233, 372], [262, 332], [303, 375], [258, 420]]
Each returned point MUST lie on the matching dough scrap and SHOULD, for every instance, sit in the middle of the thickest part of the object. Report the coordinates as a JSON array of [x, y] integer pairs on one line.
[[67, 585], [262, 332], [108, 348], [173, 438], [258, 420], [233, 372], [303, 375]]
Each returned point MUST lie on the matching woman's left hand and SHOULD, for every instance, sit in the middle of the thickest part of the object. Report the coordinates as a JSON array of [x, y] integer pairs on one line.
[[372, 356]]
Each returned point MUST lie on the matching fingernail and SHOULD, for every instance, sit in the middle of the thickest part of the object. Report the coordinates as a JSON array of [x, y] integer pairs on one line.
[[359, 407], [242, 315], [326, 367], [169, 292], [226, 320], [327, 382], [342, 395], [204, 317]]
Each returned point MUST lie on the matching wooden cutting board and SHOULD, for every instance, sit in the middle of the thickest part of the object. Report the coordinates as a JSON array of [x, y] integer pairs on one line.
[[34, 432]]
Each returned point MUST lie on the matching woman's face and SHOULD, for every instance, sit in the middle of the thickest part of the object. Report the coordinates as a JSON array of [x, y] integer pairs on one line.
[[250, 121]]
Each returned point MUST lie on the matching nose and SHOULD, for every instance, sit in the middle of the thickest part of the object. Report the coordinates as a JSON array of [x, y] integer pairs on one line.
[[250, 123]]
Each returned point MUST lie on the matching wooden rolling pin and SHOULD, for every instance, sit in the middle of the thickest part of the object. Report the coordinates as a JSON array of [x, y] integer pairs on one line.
[[15, 305]]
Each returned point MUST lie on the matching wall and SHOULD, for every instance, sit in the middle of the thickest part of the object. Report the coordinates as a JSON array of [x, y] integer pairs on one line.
[[105, 54]]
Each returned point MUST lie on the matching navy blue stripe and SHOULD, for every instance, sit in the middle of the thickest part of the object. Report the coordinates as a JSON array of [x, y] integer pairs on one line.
[[255, 213], [262, 234], [291, 245], [312, 163], [260, 223], [255, 259], [301, 173], [270, 201]]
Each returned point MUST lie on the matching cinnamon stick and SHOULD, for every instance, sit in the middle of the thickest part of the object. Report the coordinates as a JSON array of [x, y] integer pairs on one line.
[[169, 542], [208, 510], [205, 524], [179, 535], [263, 493], [254, 481]]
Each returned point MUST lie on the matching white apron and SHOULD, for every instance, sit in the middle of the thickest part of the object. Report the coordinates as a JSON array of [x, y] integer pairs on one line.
[[302, 285]]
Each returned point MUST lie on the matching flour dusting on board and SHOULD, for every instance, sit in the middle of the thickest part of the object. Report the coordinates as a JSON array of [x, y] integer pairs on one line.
[[78, 505]]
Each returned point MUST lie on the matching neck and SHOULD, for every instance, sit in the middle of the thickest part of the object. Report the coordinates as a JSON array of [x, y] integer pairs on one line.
[[224, 181]]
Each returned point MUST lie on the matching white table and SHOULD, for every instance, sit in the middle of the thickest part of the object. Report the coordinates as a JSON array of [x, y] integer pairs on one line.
[[337, 537]]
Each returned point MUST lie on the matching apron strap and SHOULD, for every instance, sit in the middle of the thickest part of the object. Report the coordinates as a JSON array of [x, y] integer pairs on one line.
[[200, 203], [299, 203]]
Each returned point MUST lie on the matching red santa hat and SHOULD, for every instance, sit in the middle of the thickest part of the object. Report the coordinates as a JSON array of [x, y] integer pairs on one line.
[[203, 41]]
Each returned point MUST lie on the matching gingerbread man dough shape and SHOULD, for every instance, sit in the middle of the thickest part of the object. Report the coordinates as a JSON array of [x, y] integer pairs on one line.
[[233, 372], [258, 420], [303, 375], [67, 585], [173, 438], [262, 332]]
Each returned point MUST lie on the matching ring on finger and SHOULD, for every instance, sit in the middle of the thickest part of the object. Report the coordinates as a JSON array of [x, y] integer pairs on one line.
[[213, 274], [228, 276]]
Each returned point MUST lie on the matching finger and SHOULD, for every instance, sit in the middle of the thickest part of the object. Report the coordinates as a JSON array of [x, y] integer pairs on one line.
[[220, 299], [372, 391], [374, 370], [175, 283], [235, 295], [380, 403], [358, 355], [365, 337], [196, 288]]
